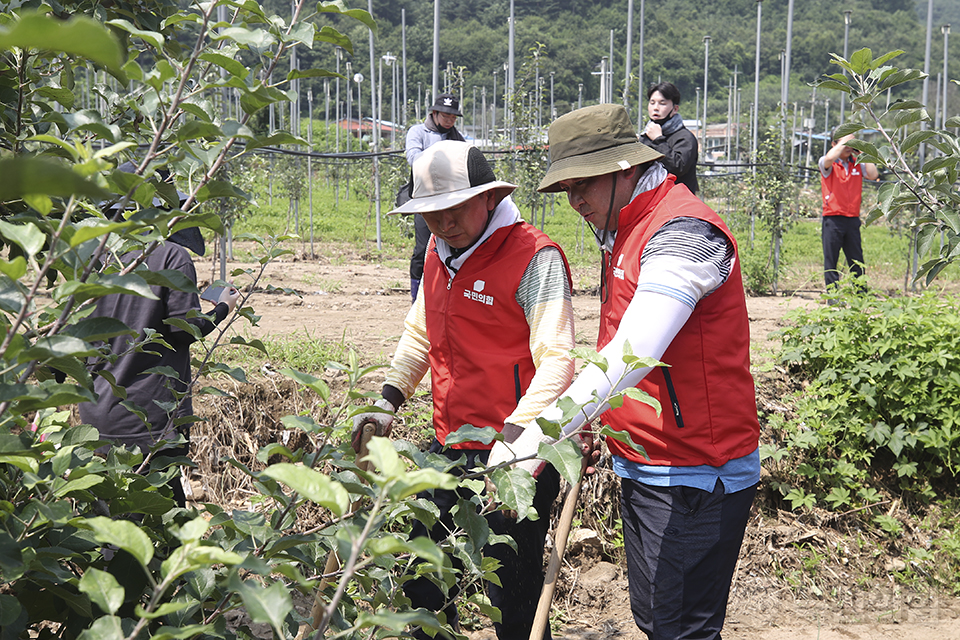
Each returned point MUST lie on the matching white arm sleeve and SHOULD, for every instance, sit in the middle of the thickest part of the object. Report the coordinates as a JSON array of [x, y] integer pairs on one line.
[[650, 323]]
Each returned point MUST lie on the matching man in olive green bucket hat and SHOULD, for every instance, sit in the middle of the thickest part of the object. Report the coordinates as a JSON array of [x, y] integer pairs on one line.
[[671, 290]]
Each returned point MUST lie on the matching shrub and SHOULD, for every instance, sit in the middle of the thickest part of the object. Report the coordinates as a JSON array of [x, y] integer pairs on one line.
[[881, 407]]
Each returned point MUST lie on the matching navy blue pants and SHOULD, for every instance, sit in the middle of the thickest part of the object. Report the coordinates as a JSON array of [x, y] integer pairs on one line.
[[682, 546], [841, 232], [521, 573]]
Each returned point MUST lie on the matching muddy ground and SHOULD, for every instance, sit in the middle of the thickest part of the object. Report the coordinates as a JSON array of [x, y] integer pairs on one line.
[[799, 578]]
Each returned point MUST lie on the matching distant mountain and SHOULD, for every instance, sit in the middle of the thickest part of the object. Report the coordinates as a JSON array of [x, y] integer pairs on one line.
[[571, 38]]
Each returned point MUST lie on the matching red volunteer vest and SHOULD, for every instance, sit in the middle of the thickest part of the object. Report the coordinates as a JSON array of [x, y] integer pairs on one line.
[[842, 190], [479, 354], [709, 410]]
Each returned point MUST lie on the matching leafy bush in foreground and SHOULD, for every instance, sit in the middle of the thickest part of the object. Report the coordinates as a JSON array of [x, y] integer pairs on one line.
[[881, 407]]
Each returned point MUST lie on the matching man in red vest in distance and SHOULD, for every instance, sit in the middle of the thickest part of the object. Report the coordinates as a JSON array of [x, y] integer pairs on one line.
[[494, 326], [841, 183], [670, 288]]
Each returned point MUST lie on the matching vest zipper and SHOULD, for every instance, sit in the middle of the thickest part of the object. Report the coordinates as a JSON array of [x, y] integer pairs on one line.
[[674, 403], [516, 382]]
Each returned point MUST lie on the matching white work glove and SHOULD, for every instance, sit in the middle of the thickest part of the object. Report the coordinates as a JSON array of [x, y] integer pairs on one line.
[[520, 446], [382, 418]]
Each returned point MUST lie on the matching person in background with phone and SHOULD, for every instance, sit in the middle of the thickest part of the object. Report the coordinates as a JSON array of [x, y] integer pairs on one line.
[[841, 183], [141, 419], [666, 133]]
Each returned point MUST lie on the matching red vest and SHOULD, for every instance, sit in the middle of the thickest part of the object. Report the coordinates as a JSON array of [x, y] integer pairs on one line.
[[842, 190], [480, 361], [709, 409]]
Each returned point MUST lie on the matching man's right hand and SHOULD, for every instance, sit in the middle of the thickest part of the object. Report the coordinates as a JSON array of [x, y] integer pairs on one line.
[[380, 414]]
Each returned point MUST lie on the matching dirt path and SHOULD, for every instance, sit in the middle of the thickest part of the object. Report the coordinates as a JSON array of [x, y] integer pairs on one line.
[[363, 304]]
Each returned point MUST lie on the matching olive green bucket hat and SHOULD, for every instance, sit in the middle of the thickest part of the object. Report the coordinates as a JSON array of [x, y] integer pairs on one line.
[[593, 141]]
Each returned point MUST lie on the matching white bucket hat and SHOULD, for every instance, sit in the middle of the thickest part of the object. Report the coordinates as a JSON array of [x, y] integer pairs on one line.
[[447, 174]]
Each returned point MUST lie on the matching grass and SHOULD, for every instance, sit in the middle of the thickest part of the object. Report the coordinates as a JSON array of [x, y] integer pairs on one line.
[[345, 215], [298, 351]]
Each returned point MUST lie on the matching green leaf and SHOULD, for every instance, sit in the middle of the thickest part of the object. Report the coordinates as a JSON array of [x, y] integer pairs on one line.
[[312, 485], [470, 433], [265, 605], [164, 609], [11, 568], [861, 61], [869, 151], [78, 35], [151, 37], [302, 32], [915, 138], [887, 57], [90, 120], [26, 175], [384, 457], [337, 6], [565, 456], [28, 236], [94, 229], [307, 380], [476, 526], [105, 628], [835, 85], [146, 502], [303, 423], [622, 436], [329, 35], [180, 633], [255, 343], [234, 372], [102, 589], [122, 533], [169, 278], [414, 482], [221, 189], [232, 66], [15, 268], [311, 73], [130, 283], [10, 610], [642, 396], [590, 356], [899, 77], [56, 347], [198, 129], [81, 484], [98, 328], [426, 549], [515, 490], [951, 217], [257, 38], [275, 140]]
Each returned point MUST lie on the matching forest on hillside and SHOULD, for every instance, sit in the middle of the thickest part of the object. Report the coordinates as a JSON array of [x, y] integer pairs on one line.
[[572, 38]]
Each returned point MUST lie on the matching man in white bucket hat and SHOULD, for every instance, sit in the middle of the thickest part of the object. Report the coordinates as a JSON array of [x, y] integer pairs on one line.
[[494, 326]]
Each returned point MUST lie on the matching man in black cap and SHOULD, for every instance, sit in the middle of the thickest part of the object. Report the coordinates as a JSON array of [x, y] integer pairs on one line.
[[439, 125]]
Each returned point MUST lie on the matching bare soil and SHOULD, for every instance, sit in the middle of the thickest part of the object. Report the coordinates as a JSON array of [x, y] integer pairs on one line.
[[798, 578]]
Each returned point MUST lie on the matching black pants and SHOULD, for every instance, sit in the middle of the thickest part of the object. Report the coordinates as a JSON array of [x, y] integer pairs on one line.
[[421, 236], [841, 232], [682, 546], [521, 573]]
